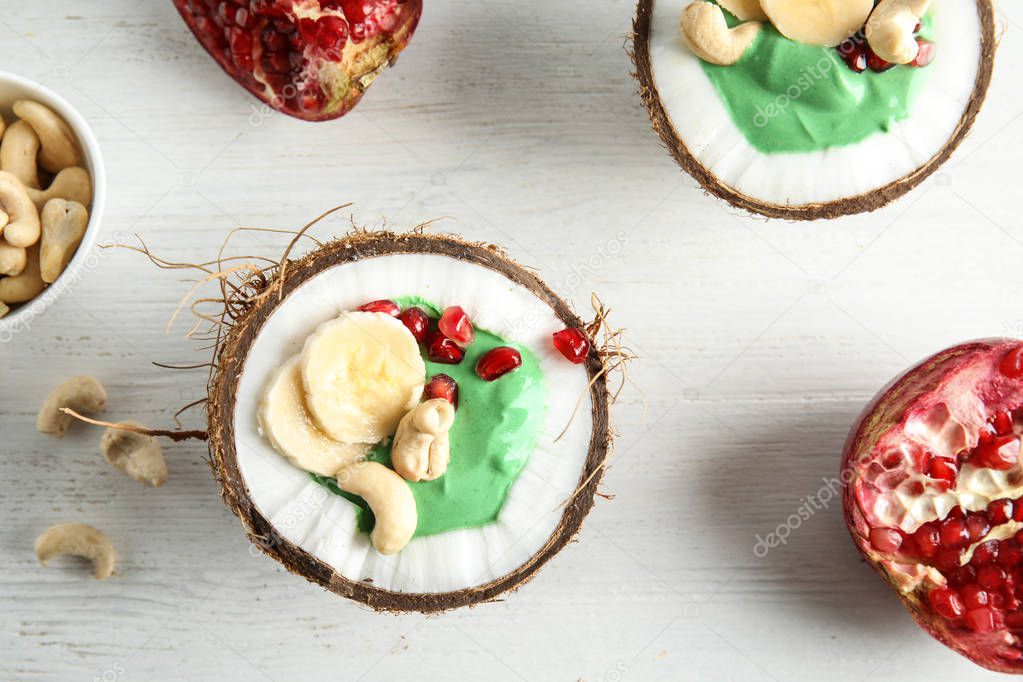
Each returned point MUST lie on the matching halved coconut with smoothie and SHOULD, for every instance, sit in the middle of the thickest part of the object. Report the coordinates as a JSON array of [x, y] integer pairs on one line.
[[807, 109], [412, 421]]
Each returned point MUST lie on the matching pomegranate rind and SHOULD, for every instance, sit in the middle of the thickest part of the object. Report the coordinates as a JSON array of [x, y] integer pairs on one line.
[[899, 401], [343, 83]]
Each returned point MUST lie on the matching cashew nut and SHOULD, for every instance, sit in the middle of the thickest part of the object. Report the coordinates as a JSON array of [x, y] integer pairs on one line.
[[13, 259], [64, 224], [73, 184], [136, 454], [23, 229], [4, 309], [421, 446], [3, 126], [391, 500], [81, 540], [890, 27], [18, 152], [28, 284], [707, 34], [59, 147], [82, 394]]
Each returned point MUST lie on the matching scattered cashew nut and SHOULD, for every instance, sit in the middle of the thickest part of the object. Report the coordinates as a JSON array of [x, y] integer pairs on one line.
[[13, 259], [706, 32], [890, 27], [421, 448], [26, 285], [64, 224], [18, 152], [81, 540], [73, 184], [390, 498], [23, 229], [59, 148], [83, 394], [136, 454]]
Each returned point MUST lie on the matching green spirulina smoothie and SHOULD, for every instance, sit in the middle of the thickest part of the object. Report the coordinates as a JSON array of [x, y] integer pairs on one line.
[[789, 97], [495, 430]]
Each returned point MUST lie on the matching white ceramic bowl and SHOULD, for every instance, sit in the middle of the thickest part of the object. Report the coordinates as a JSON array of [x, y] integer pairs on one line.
[[13, 88]]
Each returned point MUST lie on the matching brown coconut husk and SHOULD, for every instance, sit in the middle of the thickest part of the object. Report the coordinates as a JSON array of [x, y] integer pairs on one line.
[[251, 293], [862, 203]]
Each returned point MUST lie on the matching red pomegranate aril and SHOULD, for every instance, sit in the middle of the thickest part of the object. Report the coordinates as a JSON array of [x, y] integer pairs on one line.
[[985, 554], [497, 362], [927, 541], [925, 53], [980, 620], [948, 559], [416, 321], [974, 596], [996, 454], [886, 539], [977, 526], [956, 512], [385, 306], [1012, 364], [953, 533], [455, 324], [962, 576], [990, 577], [876, 64], [942, 469], [1009, 555], [1017, 511], [946, 603], [573, 344], [442, 386], [999, 511], [1002, 423], [443, 350]]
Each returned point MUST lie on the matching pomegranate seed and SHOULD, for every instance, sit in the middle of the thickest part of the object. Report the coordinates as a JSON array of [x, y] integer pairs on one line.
[[927, 541], [457, 326], [1002, 423], [977, 527], [999, 511], [980, 620], [985, 554], [1017, 511], [1009, 555], [382, 306], [885, 539], [947, 559], [1012, 364], [956, 512], [497, 362], [925, 54], [416, 321], [573, 344], [946, 603], [962, 576], [443, 350], [974, 596], [990, 577], [1001, 453], [876, 64], [953, 533], [1018, 537], [1014, 620], [442, 386], [942, 469]]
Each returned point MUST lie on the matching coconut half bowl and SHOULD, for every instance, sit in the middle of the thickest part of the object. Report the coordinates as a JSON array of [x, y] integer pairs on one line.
[[314, 532], [701, 133]]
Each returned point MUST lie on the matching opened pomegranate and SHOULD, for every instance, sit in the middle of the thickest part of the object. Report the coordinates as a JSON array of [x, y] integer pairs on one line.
[[932, 487], [312, 59]]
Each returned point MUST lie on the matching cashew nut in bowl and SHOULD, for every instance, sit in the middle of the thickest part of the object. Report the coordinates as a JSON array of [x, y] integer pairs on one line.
[[136, 454], [81, 540], [59, 147], [64, 224], [82, 394], [73, 184], [25, 286], [421, 449], [13, 259], [24, 228], [18, 151], [706, 32], [890, 29], [390, 498]]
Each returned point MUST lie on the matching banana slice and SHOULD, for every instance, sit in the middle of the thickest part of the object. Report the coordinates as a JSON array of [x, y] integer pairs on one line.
[[362, 372], [285, 421], [818, 22], [745, 9]]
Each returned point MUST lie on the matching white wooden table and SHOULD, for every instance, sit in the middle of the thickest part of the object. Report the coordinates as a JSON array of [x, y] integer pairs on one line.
[[518, 123]]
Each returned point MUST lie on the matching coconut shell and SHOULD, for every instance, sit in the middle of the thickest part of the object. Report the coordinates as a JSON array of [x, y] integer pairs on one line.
[[862, 203], [230, 361]]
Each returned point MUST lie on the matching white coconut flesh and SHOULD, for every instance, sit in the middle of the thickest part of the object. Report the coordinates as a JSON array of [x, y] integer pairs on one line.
[[325, 524], [702, 121]]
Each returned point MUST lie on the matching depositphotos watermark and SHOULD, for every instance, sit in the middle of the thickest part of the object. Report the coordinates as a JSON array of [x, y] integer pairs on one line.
[[810, 505], [807, 79]]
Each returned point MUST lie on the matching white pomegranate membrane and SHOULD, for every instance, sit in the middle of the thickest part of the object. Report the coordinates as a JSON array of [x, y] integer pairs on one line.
[[933, 478]]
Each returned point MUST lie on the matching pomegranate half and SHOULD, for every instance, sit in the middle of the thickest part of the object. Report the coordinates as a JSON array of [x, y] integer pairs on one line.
[[933, 496], [312, 59]]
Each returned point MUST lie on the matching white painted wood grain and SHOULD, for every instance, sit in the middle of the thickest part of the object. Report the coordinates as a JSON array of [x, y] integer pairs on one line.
[[518, 123]]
